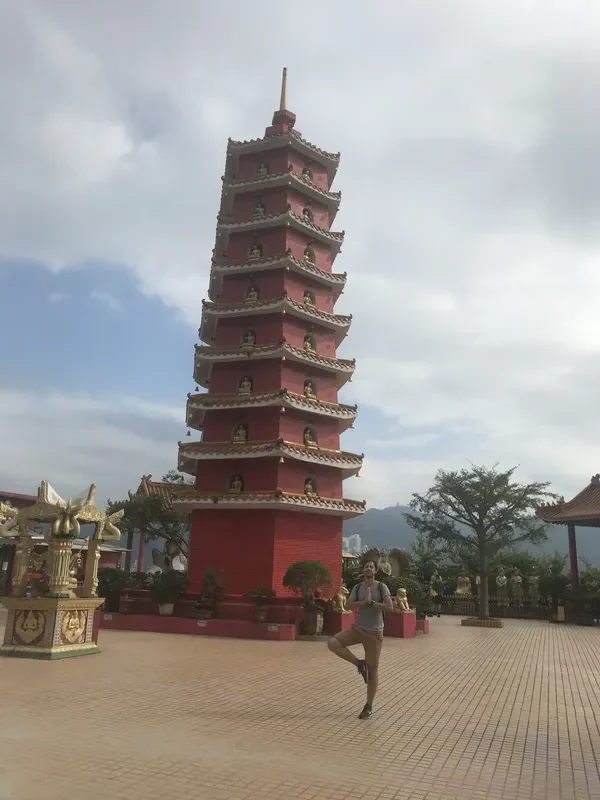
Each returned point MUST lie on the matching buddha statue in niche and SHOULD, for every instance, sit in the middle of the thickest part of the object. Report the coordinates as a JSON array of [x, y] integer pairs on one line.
[[236, 484], [309, 487], [251, 294], [255, 251], [245, 385], [240, 434], [310, 391]]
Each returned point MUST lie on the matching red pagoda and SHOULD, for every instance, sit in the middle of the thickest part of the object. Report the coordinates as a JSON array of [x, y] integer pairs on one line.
[[269, 469]]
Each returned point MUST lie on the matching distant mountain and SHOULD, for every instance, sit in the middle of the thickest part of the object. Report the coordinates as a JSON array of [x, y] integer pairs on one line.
[[387, 527]]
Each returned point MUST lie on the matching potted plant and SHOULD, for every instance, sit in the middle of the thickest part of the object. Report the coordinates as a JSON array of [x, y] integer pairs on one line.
[[111, 582], [212, 593], [260, 596], [165, 588], [304, 578]]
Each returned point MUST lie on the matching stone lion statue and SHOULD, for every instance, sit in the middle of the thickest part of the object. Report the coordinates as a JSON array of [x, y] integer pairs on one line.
[[401, 601], [339, 600]]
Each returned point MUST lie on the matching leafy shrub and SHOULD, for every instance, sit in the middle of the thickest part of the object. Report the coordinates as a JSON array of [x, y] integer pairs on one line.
[[303, 577]]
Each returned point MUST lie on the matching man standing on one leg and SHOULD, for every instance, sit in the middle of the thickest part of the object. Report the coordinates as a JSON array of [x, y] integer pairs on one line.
[[371, 598]]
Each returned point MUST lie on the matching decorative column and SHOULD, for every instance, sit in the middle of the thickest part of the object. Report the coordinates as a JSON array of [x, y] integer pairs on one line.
[[90, 583], [60, 568], [573, 565], [22, 555]]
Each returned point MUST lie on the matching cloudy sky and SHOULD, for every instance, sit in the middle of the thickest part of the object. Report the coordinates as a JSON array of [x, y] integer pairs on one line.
[[470, 177]]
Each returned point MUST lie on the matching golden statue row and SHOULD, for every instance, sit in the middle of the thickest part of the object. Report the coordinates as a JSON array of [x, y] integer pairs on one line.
[[58, 623]]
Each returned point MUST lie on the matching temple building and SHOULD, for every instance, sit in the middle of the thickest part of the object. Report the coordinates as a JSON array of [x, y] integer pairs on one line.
[[269, 468]]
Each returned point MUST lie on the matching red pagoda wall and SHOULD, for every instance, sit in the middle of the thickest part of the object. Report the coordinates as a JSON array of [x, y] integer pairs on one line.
[[257, 549]]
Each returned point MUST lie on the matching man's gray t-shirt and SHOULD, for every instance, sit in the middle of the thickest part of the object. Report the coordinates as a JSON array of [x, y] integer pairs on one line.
[[370, 619]]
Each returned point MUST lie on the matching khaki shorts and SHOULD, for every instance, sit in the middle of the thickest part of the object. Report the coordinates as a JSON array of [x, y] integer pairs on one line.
[[370, 641]]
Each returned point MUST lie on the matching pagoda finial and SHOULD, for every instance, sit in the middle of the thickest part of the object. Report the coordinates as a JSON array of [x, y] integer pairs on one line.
[[283, 102], [283, 120]]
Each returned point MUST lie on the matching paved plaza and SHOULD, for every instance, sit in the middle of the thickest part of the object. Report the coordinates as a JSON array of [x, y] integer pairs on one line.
[[462, 713]]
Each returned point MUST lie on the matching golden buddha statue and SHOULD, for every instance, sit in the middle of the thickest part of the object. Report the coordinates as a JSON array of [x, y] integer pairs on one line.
[[309, 487], [308, 344], [251, 295], [245, 386], [309, 439], [240, 435], [309, 256], [309, 390], [256, 251], [309, 300], [307, 173], [236, 484]]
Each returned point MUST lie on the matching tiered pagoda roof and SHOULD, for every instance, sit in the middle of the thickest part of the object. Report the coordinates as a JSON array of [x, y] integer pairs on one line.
[[198, 404], [299, 169], [336, 280], [186, 498], [213, 311], [207, 356], [192, 452]]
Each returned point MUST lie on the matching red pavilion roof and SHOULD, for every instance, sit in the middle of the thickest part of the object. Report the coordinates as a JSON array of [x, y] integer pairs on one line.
[[582, 510]]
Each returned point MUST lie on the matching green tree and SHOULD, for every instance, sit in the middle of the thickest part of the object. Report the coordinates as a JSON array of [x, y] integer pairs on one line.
[[303, 577], [483, 511], [427, 557], [178, 478], [152, 516]]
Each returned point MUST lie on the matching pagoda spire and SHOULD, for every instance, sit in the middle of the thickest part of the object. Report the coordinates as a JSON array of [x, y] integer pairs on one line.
[[283, 101], [283, 120]]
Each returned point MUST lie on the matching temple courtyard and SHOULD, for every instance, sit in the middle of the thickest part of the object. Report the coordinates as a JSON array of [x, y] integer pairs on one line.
[[462, 713]]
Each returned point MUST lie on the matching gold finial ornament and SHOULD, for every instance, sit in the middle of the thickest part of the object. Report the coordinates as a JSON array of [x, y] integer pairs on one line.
[[283, 101]]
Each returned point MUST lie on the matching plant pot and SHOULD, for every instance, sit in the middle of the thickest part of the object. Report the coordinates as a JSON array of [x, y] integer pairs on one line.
[[259, 613], [312, 624], [166, 609], [126, 605]]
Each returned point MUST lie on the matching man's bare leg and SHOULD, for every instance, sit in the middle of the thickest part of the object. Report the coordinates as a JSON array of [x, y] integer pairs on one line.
[[372, 685]]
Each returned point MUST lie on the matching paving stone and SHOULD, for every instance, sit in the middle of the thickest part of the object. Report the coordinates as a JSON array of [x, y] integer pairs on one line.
[[467, 713]]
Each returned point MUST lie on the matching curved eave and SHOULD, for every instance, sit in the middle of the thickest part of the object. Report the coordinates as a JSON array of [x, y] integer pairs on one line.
[[205, 357], [556, 516], [211, 312], [336, 280], [225, 227], [294, 180], [199, 404], [192, 501], [194, 452], [313, 153]]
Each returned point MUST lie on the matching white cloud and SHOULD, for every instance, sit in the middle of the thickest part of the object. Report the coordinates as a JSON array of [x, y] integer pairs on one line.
[[73, 440], [469, 176], [107, 298]]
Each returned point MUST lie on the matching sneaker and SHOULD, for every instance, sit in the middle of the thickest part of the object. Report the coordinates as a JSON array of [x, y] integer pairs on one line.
[[366, 712], [363, 669]]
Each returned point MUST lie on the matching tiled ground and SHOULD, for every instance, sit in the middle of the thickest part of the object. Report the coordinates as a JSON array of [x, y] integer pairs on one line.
[[462, 713]]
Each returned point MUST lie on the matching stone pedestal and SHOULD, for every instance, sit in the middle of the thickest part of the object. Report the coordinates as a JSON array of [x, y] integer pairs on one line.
[[50, 627], [402, 625], [336, 622]]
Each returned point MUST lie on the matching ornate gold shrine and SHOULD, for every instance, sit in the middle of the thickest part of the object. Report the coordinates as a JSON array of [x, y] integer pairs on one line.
[[59, 623], [50, 627]]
